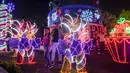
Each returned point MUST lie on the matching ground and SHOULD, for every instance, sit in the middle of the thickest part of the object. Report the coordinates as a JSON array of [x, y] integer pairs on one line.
[[95, 64]]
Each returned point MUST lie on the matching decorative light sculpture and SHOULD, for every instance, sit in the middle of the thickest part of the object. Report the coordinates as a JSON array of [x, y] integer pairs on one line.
[[119, 41], [4, 26], [25, 39], [74, 24], [74, 20], [54, 16], [87, 16], [11, 7]]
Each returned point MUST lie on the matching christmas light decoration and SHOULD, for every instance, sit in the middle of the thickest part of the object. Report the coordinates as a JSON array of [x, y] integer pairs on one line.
[[87, 16], [3, 7], [74, 24], [4, 26], [67, 11], [118, 42], [11, 7], [97, 14], [75, 47], [25, 40], [71, 24], [54, 16]]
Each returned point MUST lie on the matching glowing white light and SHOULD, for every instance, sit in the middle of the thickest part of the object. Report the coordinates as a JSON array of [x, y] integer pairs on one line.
[[97, 14], [87, 16], [54, 16], [11, 7]]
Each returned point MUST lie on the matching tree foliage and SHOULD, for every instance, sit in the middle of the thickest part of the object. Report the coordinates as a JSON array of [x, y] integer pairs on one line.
[[125, 14], [109, 20]]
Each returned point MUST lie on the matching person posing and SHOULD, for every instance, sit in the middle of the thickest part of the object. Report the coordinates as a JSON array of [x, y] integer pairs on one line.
[[102, 43], [55, 37], [46, 44]]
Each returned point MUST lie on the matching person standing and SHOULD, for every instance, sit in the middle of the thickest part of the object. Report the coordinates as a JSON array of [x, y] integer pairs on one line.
[[46, 44], [55, 38], [102, 43]]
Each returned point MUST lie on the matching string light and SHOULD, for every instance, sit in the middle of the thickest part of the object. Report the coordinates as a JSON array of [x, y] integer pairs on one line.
[[87, 13], [118, 43], [25, 39], [3, 25], [11, 7], [87, 16]]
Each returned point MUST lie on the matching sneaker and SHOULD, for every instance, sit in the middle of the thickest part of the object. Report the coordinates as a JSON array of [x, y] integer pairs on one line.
[[50, 66], [47, 65]]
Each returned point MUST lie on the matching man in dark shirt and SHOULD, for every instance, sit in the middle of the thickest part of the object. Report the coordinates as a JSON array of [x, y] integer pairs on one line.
[[55, 38]]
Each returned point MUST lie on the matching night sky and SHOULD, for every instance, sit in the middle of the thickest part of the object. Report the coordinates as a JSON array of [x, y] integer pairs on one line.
[[37, 10]]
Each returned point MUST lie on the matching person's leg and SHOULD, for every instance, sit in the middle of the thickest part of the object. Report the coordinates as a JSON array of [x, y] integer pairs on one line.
[[45, 55], [53, 52], [102, 47], [45, 50], [48, 57]]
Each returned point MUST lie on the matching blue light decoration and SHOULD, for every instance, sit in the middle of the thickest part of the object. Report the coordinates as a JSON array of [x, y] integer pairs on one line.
[[36, 43], [87, 15], [23, 43], [14, 43], [23, 35], [75, 47], [97, 14], [87, 46], [54, 16], [80, 10], [61, 46], [67, 11], [11, 7], [3, 1]]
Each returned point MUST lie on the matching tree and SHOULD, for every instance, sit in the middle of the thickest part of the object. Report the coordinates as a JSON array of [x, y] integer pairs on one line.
[[109, 20], [125, 14]]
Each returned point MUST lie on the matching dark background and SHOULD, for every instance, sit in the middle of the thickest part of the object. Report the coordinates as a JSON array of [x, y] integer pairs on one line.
[[37, 10]]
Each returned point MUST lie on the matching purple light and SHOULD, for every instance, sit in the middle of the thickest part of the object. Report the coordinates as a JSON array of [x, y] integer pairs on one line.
[[61, 46], [80, 10], [23, 44], [1, 42], [87, 47], [11, 7], [14, 42], [67, 11], [36, 43], [75, 47]]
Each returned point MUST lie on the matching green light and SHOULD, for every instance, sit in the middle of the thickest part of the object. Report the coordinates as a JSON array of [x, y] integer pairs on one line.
[[113, 31], [127, 30], [122, 20]]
